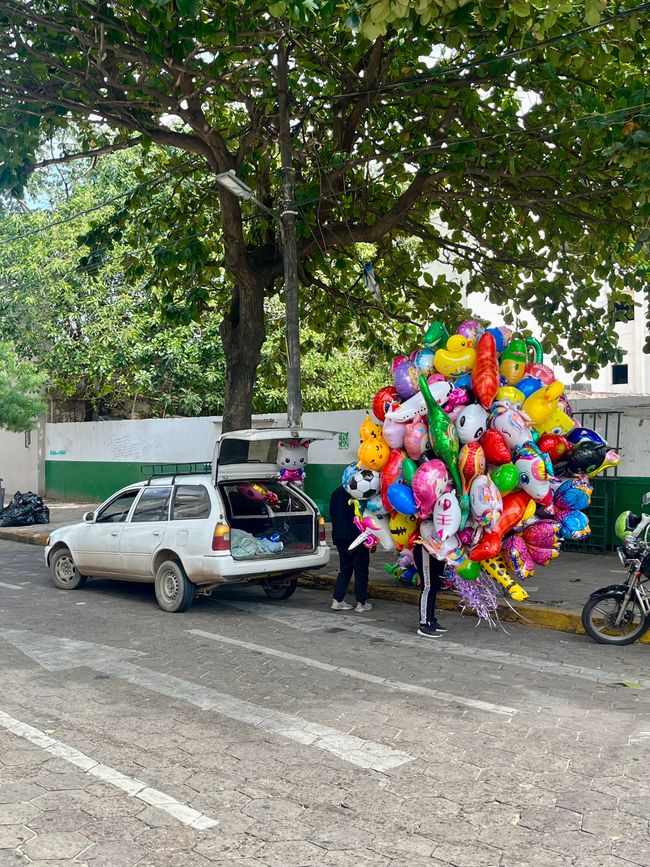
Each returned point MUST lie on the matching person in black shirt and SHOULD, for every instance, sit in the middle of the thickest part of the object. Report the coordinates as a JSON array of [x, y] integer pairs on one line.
[[344, 532]]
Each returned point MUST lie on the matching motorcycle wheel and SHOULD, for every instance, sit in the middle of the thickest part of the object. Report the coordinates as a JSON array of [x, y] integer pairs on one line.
[[599, 616]]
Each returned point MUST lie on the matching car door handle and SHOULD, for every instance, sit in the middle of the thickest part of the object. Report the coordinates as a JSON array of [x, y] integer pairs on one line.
[[156, 532], [114, 534]]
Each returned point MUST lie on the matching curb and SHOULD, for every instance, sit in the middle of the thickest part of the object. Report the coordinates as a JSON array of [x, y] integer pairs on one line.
[[541, 616], [526, 614]]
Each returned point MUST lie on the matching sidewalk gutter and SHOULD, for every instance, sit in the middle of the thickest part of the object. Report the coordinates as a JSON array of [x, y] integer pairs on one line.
[[526, 614]]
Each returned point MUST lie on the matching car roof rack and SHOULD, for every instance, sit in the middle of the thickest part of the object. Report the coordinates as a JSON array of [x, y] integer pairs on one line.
[[162, 471]]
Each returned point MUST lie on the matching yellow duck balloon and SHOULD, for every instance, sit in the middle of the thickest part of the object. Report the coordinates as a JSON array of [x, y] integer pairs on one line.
[[458, 358], [542, 403]]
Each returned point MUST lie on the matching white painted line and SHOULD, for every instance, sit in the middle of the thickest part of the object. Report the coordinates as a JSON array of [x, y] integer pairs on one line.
[[314, 621], [640, 738], [360, 675], [11, 586], [135, 788]]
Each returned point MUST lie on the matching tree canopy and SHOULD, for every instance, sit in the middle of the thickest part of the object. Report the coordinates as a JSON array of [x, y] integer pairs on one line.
[[20, 383], [507, 140]]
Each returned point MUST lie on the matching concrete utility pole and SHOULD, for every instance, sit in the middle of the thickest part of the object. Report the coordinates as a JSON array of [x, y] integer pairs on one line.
[[289, 246]]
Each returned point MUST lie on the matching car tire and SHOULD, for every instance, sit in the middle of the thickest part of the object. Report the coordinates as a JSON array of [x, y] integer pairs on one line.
[[174, 590], [64, 572], [280, 591]]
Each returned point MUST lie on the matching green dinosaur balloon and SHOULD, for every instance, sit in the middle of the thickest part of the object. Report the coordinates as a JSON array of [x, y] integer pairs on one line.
[[408, 470], [444, 442], [436, 335]]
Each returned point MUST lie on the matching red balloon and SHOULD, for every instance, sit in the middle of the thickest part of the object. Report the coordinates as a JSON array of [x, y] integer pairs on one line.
[[554, 445], [390, 473], [497, 450], [485, 373], [514, 506], [382, 401]]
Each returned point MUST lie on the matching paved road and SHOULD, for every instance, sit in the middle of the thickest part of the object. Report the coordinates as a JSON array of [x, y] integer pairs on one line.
[[247, 732]]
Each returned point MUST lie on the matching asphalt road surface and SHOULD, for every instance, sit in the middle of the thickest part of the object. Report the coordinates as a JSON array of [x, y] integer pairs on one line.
[[251, 732]]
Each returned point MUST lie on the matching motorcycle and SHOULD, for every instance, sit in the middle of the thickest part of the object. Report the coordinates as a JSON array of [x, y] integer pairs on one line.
[[620, 613]]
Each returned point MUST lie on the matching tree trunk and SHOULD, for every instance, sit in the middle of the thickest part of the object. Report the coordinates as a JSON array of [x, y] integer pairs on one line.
[[242, 336]]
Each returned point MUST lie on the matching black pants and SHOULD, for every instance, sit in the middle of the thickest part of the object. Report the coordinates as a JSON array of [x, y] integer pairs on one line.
[[357, 561], [431, 571]]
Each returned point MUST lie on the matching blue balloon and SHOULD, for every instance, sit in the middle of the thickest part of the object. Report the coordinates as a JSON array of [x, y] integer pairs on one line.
[[375, 505], [402, 499], [464, 381], [499, 338], [529, 385], [579, 434], [348, 472]]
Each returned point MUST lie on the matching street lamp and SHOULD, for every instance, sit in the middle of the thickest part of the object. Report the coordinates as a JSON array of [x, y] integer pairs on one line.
[[229, 181]]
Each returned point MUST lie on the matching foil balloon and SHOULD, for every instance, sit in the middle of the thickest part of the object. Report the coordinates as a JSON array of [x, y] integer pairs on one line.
[[569, 500], [501, 337], [583, 459], [555, 446], [369, 429], [533, 477], [373, 453], [375, 505], [435, 336], [495, 447], [471, 423], [373, 530], [508, 395], [400, 359], [348, 472], [541, 403], [446, 515], [423, 360], [471, 329], [457, 358], [391, 472], [406, 379], [409, 469], [408, 409], [416, 438], [394, 432], [402, 528], [612, 459], [471, 463], [456, 400], [486, 502], [540, 371], [579, 434], [444, 441], [383, 400], [558, 423], [429, 482], [496, 568], [516, 507], [401, 499], [485, 373], [513, 361], [529, 385], [512, 423], [505, 477]]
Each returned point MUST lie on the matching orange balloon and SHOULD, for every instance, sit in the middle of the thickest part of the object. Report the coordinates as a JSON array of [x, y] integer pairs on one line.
[[515, 506]]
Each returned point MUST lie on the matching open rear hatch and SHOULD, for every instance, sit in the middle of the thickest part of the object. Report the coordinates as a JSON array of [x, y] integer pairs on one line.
[[268, 519]]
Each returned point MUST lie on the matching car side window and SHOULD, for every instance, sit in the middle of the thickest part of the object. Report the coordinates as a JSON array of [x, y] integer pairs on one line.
[[153, 505], [190, 502], [117, 510]]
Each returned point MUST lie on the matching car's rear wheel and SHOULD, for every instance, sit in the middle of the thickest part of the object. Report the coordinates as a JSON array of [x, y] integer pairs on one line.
[[174, 590], [279, 590], [63, 571]]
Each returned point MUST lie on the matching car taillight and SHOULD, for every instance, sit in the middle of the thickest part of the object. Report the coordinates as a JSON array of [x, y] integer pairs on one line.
[[322, 536], [221, 538]]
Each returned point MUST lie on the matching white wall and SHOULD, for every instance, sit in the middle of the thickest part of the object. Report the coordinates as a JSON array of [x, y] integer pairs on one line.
[[19, 464]]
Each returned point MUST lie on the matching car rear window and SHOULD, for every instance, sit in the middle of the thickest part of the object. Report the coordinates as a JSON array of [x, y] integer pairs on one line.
[[190, 502], [233, 451]]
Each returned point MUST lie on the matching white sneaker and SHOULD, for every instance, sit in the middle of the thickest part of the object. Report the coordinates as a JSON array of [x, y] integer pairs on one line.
[[340, 606], [363, 606]]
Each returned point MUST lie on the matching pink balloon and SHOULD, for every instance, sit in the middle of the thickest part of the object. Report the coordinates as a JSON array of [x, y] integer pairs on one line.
[[540, 371], [429, 482], [397, 361], [416, 438], [393, 432]]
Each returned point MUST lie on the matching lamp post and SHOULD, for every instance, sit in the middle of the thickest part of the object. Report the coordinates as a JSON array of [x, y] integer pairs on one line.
[[287, 222]]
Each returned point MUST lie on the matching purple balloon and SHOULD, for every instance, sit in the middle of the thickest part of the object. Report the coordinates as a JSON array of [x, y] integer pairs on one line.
[[471, 329], [406, 379]]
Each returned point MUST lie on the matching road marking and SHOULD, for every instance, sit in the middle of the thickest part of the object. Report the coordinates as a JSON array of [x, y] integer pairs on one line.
[[640, 738], [11, 586], [134, 788], [315, 621], [359, 675], [61, 653]]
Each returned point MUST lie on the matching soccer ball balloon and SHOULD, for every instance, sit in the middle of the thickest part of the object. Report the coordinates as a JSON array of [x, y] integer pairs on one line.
[[364, 484]]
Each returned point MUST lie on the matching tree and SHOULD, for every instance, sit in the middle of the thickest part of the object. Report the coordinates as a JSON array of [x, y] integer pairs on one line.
[[20, 383], [509, 140]]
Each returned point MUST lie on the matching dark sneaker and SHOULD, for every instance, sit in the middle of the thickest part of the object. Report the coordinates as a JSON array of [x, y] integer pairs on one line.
[[427, 631], [439, 627]]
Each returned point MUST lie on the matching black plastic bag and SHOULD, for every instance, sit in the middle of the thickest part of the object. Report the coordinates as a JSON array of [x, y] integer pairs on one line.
[[24, 510]]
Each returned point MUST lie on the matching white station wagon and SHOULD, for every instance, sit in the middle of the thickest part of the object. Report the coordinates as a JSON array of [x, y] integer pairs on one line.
[[190, 533]]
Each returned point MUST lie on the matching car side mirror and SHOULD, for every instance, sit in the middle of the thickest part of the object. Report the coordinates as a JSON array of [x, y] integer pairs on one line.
[[89, 517], [646, 499]]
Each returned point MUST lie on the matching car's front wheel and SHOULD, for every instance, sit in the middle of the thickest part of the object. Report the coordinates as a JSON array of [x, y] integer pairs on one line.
[[280, 590], [174, 590], [63, 571]]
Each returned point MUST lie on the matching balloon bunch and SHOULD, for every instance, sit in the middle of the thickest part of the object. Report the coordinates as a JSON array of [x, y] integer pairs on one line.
[[475, 454]]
